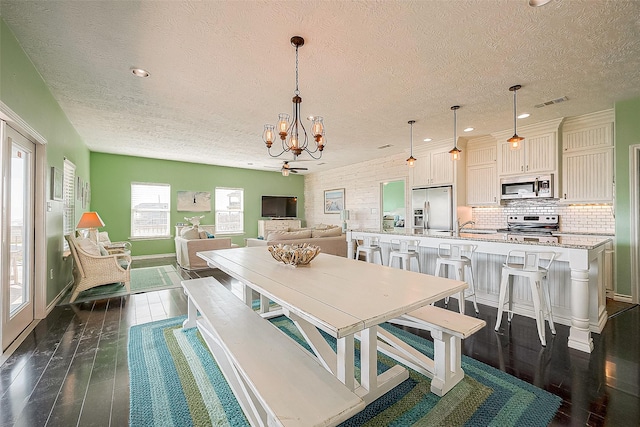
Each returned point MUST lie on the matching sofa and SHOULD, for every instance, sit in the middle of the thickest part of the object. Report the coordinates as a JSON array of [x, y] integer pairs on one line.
[[329, 238], [197, 239]]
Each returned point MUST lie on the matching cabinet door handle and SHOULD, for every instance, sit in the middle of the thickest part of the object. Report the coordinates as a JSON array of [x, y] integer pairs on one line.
[[527, 167], [521, 168], [565, 195]]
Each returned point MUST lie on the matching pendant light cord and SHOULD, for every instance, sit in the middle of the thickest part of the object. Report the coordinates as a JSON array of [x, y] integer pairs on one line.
[[515, 112], [297, 92]]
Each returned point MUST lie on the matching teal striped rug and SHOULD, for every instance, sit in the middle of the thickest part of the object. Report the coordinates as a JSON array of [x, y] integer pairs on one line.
[[174, 381]]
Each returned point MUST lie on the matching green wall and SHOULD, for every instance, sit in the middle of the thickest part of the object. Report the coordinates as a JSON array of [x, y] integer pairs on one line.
[[112, 175], [393, 196], [627, 134], [26, 94]]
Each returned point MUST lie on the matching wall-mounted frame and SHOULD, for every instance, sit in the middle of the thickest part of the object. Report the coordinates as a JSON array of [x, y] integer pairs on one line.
[[194, 201], [333, 201], [56, 183]]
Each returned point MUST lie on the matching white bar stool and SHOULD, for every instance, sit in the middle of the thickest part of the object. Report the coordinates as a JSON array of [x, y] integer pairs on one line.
[[407, 250], [369, 247], [458, 257], [537, 275]]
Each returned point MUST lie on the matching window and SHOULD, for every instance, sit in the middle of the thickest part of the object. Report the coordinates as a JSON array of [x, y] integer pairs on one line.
[[150, 213], [229, 210], [68, 200]]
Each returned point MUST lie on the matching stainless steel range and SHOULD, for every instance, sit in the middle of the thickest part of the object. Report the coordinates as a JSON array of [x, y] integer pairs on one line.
[[532, 228]]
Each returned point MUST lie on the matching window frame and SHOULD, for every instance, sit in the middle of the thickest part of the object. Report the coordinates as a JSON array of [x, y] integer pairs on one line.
[[68, 200]]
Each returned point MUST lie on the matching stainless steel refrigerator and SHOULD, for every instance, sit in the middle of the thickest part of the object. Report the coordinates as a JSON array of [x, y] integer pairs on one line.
[[432, 209]]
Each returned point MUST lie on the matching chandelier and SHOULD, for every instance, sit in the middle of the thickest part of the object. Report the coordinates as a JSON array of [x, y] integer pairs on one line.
[[293, 135]]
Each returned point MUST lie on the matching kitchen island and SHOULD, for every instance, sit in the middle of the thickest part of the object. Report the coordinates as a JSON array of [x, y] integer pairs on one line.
[[576, 279]]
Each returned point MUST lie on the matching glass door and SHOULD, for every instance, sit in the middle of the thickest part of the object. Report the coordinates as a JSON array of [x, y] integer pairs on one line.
[[18, 166]]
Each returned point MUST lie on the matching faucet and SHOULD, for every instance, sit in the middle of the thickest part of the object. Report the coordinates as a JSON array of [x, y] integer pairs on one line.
[[460, 226]]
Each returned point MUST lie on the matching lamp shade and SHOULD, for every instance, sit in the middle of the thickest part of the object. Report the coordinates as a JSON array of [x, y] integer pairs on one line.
[[344, 215], [90, 220]]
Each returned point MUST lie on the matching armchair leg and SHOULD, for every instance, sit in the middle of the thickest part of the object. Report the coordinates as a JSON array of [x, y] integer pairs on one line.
[[127, 285]]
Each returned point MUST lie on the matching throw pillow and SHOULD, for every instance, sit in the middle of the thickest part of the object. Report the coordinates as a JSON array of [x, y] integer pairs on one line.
[[321, 226], [289, 235], [329, 232], [88, 246], [190, 233], [202, 234], [209, 235], [103, 237]]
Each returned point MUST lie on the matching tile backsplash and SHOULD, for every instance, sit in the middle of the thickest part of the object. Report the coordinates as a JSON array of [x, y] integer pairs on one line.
[[591, 219]]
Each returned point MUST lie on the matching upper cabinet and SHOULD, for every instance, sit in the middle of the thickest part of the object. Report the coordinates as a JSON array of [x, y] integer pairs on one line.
[[539, 152], [482, 176], [433, 166], [588, 158]]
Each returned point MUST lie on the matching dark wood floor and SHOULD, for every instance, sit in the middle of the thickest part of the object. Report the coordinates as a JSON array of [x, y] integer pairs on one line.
[[72, 369]]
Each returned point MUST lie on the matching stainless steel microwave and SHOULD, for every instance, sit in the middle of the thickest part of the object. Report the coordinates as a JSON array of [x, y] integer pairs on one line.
[[526, 187]]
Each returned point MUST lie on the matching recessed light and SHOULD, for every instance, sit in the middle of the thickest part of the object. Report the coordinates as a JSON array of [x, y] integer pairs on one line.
[[310, 118], [467, 129], [139, 72], [524, 115], [427, 140]]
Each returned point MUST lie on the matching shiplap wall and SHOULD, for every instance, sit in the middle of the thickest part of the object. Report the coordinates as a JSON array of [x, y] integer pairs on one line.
[[362, 182]]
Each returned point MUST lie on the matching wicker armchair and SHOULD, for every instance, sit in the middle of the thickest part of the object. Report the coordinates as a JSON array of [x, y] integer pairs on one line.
[[90, 270]]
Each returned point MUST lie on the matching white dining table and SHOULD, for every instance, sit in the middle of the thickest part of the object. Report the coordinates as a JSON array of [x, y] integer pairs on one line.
[[345, 298]]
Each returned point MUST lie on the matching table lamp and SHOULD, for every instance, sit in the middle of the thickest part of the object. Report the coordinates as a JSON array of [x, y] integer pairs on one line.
[[344, 216], [91, 221]]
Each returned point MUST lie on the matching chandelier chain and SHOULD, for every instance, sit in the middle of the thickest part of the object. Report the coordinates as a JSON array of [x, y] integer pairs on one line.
[[297, 92]]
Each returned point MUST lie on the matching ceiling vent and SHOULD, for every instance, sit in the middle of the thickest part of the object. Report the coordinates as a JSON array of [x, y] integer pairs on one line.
[[553, 101], [382, 147]]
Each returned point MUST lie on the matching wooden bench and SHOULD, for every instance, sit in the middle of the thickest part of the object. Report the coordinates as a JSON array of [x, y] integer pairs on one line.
[[447, 329], [276, 381]]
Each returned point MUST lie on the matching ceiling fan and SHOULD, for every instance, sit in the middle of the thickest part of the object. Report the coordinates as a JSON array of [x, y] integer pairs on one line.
[[286, 169]]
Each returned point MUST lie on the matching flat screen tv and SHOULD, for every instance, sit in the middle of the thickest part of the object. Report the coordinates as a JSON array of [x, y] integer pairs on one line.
[[279, 206]]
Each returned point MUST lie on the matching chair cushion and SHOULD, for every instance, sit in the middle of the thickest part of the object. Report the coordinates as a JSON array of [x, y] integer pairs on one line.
[[190, 233], [103, 251], [88, 246], [103, 237], [329, 232]]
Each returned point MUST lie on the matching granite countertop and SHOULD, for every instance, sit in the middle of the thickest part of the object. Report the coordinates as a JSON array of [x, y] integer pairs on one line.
[[574, 241]]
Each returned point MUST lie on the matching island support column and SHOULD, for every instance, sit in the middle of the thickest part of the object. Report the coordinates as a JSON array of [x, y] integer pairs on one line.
[[579, 333]]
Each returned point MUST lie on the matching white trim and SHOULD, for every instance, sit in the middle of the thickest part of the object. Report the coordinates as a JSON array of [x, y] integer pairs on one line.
[[634, 187], [622, 298], [40, 220], [154, 256]]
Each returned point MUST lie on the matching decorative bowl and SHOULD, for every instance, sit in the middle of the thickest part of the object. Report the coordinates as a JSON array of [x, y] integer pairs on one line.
[[301, 254]]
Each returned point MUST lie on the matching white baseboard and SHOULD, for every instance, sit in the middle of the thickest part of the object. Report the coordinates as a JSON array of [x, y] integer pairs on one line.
[[623, 298], [139, 257]]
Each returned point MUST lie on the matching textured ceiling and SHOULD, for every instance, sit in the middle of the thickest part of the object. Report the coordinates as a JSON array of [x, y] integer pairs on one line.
[[220, 70]]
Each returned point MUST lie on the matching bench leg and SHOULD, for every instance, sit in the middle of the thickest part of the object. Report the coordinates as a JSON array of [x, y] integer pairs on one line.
[[447, 360], [192, 314], [248, 401]]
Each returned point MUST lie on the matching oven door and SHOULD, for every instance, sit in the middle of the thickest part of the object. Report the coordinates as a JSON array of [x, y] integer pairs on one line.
[[517, 189]]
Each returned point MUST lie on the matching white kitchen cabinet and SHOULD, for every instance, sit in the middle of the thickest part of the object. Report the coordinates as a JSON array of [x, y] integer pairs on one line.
[[482, 172], [265, 226], [536, 155], [433, 167], [587, 176], [588, 159]]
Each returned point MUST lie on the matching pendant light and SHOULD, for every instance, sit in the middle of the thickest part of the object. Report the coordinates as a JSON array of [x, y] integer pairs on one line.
[[411, 160], [514, 141], [455, 152]]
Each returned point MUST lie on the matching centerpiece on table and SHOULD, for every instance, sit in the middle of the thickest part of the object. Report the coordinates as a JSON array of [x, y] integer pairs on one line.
[[300, 254]]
